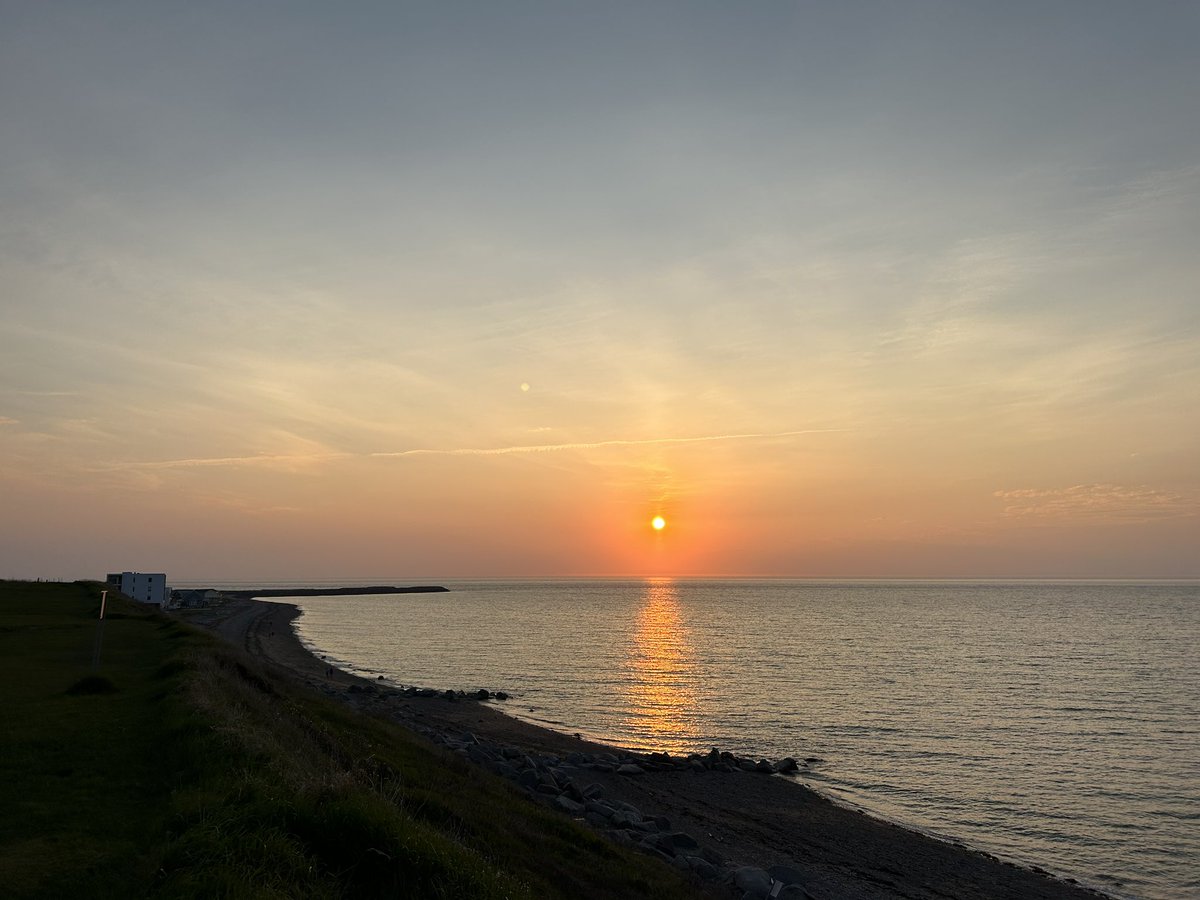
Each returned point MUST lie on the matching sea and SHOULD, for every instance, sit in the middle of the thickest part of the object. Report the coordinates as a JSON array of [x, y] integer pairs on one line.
[[1052, 724]]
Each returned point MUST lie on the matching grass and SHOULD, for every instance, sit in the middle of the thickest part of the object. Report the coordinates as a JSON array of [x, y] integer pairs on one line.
[[178, 767]]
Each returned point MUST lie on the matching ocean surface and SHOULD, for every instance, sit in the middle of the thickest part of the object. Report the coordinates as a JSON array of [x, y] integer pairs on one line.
[[1054, 724]]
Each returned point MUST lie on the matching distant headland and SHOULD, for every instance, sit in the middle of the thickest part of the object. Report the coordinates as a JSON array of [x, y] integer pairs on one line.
[[334, 591]]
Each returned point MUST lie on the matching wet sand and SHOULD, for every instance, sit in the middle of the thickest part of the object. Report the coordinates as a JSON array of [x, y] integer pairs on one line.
[[746, 818]]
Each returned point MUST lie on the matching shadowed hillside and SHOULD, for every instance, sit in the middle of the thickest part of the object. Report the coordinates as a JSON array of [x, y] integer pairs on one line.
[[144, 758]]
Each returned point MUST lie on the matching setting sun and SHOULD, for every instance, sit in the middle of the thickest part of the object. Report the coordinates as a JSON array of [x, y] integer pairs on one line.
[[658, 523]]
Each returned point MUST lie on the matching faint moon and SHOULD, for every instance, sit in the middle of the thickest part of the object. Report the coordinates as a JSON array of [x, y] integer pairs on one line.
[[525, 386]]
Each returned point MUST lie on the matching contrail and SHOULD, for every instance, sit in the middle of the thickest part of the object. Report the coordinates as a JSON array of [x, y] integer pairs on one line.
[[269, 459], [207, 462], [590, 445]]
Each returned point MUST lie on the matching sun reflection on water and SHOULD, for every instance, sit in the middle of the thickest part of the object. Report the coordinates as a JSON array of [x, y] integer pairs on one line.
[[661, 674]]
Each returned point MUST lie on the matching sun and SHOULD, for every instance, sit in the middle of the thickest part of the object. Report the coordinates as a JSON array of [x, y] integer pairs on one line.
[[658, 523]]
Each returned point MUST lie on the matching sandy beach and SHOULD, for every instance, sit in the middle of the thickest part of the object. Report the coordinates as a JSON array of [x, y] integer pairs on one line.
[[744, 818]]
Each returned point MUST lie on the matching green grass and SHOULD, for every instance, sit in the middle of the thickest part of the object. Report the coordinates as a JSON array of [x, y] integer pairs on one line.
[[178, 767]]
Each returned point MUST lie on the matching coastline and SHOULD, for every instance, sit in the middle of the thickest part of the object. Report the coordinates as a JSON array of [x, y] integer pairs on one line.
[[742, 818]]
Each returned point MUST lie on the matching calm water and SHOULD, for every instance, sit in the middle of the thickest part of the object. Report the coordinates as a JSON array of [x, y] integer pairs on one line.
[[1056, 724]]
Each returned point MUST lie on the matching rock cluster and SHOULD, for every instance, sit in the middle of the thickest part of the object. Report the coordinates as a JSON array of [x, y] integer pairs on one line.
[[451, 695], [562, 783]]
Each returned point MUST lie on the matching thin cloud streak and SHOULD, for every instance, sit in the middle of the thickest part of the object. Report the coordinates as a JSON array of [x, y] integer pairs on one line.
[[267, 460], [262, 460], [592, 445]]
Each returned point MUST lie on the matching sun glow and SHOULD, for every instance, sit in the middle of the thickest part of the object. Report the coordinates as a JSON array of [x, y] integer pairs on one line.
[[658, 523]]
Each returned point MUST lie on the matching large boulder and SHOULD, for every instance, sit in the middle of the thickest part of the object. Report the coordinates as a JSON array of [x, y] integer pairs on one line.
[[702, 867], [625, 819], [567, 805], [678, 841], [752, 881]]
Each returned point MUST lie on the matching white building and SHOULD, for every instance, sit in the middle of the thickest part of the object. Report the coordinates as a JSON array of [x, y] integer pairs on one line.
[[148, 587]]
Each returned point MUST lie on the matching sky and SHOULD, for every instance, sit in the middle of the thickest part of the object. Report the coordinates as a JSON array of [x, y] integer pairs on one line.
[[447, 290]]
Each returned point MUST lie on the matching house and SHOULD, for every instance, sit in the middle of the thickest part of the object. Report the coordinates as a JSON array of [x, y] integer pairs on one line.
[[148, 587], [193, 598]]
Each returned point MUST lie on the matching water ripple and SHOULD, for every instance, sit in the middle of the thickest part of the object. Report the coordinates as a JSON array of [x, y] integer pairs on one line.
[[1057, 724]]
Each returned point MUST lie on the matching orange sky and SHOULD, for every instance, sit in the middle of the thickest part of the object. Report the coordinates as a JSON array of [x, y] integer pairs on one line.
[[418, 296]]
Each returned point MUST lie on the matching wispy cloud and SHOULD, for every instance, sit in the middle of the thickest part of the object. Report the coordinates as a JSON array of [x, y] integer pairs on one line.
[[594, 445], [297, 459], [5, 420], [264, 459], [1097, 503]]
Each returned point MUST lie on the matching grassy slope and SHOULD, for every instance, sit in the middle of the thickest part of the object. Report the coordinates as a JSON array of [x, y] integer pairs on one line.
[[178, 767]]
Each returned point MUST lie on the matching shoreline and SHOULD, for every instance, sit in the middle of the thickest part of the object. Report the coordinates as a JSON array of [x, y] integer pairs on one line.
[[741, 818]]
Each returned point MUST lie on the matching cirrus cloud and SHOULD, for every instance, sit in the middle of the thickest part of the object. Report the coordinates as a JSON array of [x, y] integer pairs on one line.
[[1096, 503]]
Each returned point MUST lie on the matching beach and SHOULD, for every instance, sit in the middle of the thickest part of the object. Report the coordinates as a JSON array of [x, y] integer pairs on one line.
[[742, 818]]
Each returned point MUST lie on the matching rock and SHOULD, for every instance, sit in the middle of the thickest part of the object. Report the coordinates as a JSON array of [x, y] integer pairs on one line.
[[662, 823], [354, 689], [621, 836], [500, 695], [482, 694], [624, 819], [595, 819], [566, 804], [599, 809], [764, 767], [702, 867], [752, 880], [449, 695], [794, 892], [594, 791], [630, 769], [786, 766], [648, 847], [678, 840]]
